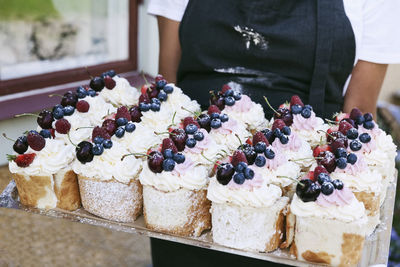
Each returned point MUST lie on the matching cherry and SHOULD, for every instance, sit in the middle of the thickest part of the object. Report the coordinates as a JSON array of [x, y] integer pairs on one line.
[[179, 137], [45, 119], [97, 84], [136, 114], [204, 121], [308, 191], [21, 145], [69, 99], [155, 161], [328, 161], [218, 101], [225, 172], [339, 142], [110, 126], [333, 135], [285, 115], [152, 92], [84, 152]]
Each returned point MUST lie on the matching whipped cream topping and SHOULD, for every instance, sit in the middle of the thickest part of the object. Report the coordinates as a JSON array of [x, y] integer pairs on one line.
[[77, 135], [297, 149], [98, 109], [352, 211], [366, 180], [277, 161], [208, 147], [294, 143], [55, 156], [186, 175], [337, 198], [310, 129], [226, 134], [158, 120], [177, 99], [109, 165], [263, 196], [374, 132], [123, 94], [247, 112]]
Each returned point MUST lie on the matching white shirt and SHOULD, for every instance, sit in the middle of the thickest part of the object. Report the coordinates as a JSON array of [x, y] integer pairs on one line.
[[376, 26]]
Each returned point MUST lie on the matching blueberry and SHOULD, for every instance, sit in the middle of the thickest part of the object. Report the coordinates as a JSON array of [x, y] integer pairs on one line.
[[306, 113], [323, 177], [179, 158], [45, 133], [368, 117], [229, 92], [58, 113], [355, 145], [111, 73], [81, 92], [68, 110], [130, 127], [341, 163], [239, 178], [168, 153], [204, 121], [214, 115], [365, 138], [286, 130], [352, 158], [156, 100], [327, 188], [352, 133], [269, 135], [33, 132], [199, 136], [120, 132], [269, 153], [122, 121], [91, 92], [190, 142], [241, 166], [229, 101], [161, 83], [168, 165], [97, 149], [224, 117], [284, 139], [277, 133], [155, 107], [369, 125], [338, 184], [308, 107], [107, 143], [260, 147], [341, 152], [98, 140], [296, 109], [162, 96], [215, 123], [360, 120], [237, 96], [144, 106], [168, 89], [248, 173], [260, 161], [191, 128]]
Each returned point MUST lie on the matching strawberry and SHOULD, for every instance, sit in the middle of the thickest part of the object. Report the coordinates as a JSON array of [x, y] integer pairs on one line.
[[260, 137], [63, 126], [144, 88], [295, 100], [237, 157], [344, 126], [110, 126], [168, 143], [333, 129], [190, 120], [217, 163], [225, 88], [82, 106], [23, 160], [317, 171], [213, 109], [109, 82], [249, 141], [278, 124], [355, 113], [340, 116], [123, 112], [321, 148], [309, 175], [100, 131], [36, 141]]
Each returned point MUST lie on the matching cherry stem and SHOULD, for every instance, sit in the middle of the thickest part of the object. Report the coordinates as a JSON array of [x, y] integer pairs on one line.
[[84, 127], [302, 159], [69, 138], [326, 133], [27, 114], [11, 157], [56, 95], [161, 133], [144, 77], [269, 105], [240, 141], [8, 138], [295, 180], [134, 154], [331, 121], [173, 118], [214, 162], [87, 70]]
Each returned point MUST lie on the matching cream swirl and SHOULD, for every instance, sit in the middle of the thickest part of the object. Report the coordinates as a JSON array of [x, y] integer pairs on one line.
[[226, 134], [177, 99], [338, 198], [354, 169], [207, 147], [158, 120], [76, 135], [347, 213], [363, 181], [264, 196], [51, 159], [294, 143], [123, 94], [98, 109], [374, 132], [109, 165], [277, 161], [311, 129]]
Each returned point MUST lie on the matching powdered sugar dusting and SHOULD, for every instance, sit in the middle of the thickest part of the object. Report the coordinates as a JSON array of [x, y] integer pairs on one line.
[[252, 37]]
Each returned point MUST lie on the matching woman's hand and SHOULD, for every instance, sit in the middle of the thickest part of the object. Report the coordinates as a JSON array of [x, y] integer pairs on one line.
[[364, 87], [170, 49]]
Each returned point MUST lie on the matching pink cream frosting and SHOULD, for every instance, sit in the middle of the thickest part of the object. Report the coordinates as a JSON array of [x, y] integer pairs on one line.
[[181, 169], [202, 145], [277, 161], [256, 182], [227, 127], [301, 123], [294, 143], [337, 198], [353, 169], [374, 132], [242, 105]]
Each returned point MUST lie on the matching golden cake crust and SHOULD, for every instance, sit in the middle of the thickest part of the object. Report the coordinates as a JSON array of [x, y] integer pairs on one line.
[[320, 257], [352, 247], [277, 238], [32, 188], [289, 232], [370, 200], [68, 193]]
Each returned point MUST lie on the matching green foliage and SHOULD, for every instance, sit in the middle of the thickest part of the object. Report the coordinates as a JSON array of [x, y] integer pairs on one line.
[[26, 10]]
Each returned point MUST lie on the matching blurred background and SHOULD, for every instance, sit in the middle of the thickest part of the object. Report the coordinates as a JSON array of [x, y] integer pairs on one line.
[[45, 47]]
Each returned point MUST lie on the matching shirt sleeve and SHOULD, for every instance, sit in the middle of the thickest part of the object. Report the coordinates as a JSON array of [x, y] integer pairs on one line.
[[381, 32], [171, 9]]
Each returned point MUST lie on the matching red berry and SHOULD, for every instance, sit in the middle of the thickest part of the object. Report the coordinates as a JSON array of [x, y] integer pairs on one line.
[[82, 106], [100, 131], [53, 132], [309, 175], [155, 161], [63, 126], [144, 88], [109, 82], [278, 124], [36, 141], [225, 88], [135, 113], [333, 135], [344, 126], [168, 143], [152, 92], [24, 160], [295, 100], [355, 113], [317, 171], [144, 98], [320, 148], [333, 129], [159, 77], [237, 157], [123, 112], [190, 120], [110, 126], [339, 142], [328, 161], [260, 137], [341, 116], [179, 137], [248, 141], [213, 109]]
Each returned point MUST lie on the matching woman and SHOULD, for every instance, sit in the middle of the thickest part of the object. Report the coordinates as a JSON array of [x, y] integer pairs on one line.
[[332, 53]]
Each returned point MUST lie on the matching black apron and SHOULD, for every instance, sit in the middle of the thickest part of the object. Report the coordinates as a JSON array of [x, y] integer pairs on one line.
[[272, 48]]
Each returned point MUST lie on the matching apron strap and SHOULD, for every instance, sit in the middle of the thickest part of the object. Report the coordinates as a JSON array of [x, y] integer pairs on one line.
[[325, 21]]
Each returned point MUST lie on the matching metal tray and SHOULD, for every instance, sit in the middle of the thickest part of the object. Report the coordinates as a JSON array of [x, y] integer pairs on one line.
[[376, 247]]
